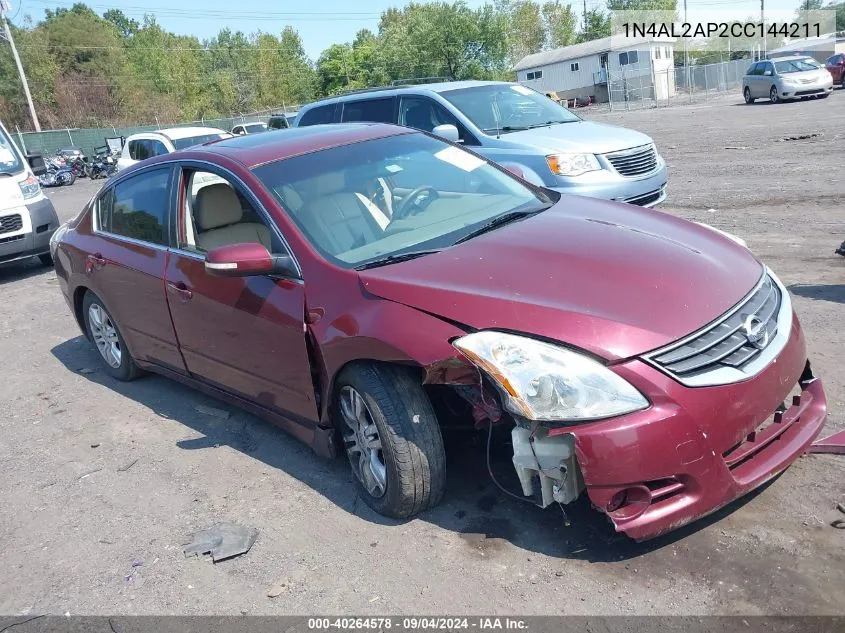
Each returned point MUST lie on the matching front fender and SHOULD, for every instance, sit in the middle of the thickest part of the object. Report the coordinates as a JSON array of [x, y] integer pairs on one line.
[[392, 332]]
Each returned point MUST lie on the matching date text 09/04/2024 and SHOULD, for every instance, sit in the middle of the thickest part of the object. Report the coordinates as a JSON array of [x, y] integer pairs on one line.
[[721, 29], [421, 623]]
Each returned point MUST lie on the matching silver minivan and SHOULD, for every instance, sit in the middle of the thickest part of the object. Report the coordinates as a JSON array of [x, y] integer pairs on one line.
[[786, 78], [518, 128], [27, 217]]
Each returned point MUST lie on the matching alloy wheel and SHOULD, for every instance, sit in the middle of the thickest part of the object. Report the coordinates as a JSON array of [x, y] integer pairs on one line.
[[773, 94], [105, 335], [747, 95], [362, 441]]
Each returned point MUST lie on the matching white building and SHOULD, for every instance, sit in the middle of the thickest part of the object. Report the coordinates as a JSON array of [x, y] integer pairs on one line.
[[820, 47], [626, 67]]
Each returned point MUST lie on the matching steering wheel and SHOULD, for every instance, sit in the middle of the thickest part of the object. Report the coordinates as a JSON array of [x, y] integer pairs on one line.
[[414, 200]]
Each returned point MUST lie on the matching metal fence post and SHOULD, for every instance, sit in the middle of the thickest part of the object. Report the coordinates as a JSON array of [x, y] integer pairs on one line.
[[20, 139], [69, 136]]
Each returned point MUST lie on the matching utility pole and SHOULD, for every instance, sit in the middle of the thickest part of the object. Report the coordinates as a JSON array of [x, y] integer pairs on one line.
[[7, 34], [763, 22], [585, 15]]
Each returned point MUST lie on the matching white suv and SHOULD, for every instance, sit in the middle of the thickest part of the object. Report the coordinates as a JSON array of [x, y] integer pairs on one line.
[[148, 144]]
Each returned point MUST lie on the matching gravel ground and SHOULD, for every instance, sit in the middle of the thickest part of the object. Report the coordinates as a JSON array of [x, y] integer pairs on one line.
[[78, 511]]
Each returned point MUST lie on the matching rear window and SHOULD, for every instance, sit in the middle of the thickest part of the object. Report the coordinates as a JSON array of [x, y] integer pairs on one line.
[[190, 141], [375, 110], [318, 115]]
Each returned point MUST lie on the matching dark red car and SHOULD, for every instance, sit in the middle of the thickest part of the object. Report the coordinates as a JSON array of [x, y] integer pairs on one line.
[[835, 65], [362, 285]]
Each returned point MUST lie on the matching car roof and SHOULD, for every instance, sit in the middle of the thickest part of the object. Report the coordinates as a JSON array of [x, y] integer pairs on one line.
[[176, 133], [439, 87], [253, 150]]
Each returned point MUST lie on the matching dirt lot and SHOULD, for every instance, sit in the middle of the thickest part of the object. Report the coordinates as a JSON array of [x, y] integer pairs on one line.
[[73, 524]]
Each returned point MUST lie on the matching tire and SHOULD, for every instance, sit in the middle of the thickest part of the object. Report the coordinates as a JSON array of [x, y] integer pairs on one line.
[[842, 81], [46, 259], [125, 369], [747, 95], [773, 95], [400, 421]]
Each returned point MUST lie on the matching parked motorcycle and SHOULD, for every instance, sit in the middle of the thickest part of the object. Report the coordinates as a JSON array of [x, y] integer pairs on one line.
[[58, 173], [104, 164], [79, 165]]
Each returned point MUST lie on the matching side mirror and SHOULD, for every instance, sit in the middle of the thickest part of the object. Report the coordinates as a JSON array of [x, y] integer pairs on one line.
[[767, 73], [516, 170], [247, 260], [447, 131], [36, 164]]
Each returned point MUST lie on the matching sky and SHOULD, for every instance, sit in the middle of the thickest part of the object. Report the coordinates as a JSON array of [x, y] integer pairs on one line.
[[320, 24]]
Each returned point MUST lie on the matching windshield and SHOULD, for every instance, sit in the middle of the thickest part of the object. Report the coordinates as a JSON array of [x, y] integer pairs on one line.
[[379, 198], [10, 162], [254, 128], [794, 66], [182, 143], [507, 108]]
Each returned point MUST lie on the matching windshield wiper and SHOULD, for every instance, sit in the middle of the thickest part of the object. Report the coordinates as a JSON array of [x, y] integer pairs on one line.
[[501, 220], [506, 128], [531, 127], [394, 259]]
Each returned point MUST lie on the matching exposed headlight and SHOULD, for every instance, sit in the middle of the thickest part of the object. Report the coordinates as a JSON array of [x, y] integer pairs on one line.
[[545, 382], [30, 187], [572, 164]]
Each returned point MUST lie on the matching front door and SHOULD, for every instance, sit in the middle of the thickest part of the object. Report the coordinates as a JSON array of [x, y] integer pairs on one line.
[[243, 334]]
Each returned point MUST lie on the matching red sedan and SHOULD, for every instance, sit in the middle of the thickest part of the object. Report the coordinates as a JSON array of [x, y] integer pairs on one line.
[[836, 67], [362, 285]]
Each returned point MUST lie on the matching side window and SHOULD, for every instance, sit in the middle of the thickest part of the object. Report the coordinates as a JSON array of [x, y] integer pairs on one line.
[[157, 148], [133, 149], [633, 57], [141, 149], [375, 110], [137, 207], [424, 114], [752, 69], [214, 212], [103, 211], [318, 115], [623, 59], [237, 130]]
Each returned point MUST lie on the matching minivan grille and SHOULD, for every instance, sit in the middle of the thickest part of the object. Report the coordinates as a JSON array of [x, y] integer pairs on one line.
[[10, 223], [733, 341], [635, 161]]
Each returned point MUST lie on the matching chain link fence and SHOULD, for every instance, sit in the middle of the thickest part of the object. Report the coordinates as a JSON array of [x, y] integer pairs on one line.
[[644, 86], [86, 139]]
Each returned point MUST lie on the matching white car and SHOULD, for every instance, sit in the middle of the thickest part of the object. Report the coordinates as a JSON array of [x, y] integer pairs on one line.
[[249, 128], [148, 144]]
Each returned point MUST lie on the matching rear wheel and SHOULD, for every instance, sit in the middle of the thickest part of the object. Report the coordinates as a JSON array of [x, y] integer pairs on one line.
[[392, 439], [104, 333], [46, 259], [747, 94], [773, 95]]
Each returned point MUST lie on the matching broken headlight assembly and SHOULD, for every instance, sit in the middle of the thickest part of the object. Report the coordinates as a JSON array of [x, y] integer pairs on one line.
[[545, 382]]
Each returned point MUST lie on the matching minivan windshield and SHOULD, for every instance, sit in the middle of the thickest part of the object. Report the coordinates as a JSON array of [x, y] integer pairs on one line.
[[502, 108], [383, 200], [794, 66], [10, 162]]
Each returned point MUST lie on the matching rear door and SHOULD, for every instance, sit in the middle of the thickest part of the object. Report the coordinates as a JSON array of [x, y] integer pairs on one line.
[[245, 335], [381, 110], [129, 258]]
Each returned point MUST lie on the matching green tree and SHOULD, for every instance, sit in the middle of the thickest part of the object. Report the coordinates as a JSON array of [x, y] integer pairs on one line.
[[597, 25], [126, 26], [560, 24]]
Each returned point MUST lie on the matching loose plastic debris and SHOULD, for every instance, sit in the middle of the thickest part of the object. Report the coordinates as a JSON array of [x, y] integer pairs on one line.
[[217, 413], [834, 444], [222, 541]]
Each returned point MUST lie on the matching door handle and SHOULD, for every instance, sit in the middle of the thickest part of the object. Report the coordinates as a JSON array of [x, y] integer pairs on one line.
[[181, 290], [95, 262]]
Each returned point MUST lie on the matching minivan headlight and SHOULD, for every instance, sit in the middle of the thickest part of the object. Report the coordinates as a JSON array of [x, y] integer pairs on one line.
[[572, 164], [545, 382], [30, 187]]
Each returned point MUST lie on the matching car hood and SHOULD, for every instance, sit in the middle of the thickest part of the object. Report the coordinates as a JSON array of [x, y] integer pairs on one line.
[[610, 278], [579, 136], [808, 75]]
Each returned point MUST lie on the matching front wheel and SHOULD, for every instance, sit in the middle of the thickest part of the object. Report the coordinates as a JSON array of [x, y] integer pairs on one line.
[[104, 333], [747, 94], [773, 95], [392, 439], [46, 259]]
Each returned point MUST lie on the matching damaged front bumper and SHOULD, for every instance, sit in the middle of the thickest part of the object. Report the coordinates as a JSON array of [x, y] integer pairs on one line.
[[692, 452]]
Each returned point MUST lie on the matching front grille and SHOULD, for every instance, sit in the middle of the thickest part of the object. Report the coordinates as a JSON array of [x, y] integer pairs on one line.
[[646, 198], [731, 342], [10, 223], [634, 162], [815, 91], [14, 238]]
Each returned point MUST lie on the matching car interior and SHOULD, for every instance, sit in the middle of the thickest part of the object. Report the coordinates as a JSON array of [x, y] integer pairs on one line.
[[217, 215]]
